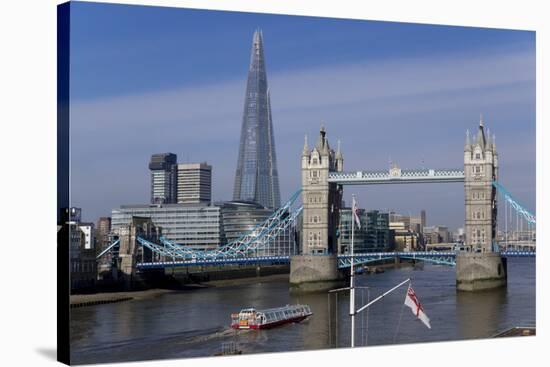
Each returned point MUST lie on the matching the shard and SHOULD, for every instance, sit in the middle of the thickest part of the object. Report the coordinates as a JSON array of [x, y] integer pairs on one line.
[[256, 178]]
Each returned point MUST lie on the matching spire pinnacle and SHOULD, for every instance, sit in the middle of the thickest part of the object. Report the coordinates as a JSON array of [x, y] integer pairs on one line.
[[306, 148], [467, 144], [338, 151], [321, 142], [480, 138]]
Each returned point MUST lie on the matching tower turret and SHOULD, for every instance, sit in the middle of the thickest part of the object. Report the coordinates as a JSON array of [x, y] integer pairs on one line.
[[339, 159], [467, 143], [305, 151]]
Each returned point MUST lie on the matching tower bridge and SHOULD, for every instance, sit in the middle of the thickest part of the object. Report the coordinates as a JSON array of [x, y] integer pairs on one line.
[[315, 263], [323, 179]]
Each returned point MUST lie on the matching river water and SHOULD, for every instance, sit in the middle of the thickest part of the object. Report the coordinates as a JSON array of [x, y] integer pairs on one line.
[[196, 323]]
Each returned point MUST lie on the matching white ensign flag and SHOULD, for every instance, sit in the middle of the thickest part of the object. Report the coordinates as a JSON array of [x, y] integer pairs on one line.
[[412, 301], [355, 214]]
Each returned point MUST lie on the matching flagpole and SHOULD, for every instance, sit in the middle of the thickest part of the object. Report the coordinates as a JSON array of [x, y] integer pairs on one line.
[[351, 281], [383, 295]]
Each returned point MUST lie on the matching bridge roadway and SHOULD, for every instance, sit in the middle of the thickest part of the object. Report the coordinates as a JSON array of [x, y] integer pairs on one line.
[[344, 261]]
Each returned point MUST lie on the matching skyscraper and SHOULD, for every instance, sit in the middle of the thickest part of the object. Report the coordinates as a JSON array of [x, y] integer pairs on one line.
[[163, 178], [194, 183], [256, 178]]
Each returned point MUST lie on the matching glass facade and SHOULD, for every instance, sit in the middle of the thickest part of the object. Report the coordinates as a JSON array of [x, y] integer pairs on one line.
[[359, 235], [196, 226], [163, 178], [378, 231], [256, 177], [204, 226], [241, 217]]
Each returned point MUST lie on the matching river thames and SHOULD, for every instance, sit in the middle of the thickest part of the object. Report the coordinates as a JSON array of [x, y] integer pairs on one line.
[[196, 323]]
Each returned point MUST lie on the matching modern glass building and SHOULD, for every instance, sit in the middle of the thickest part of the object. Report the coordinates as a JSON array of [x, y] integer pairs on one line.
[[204, 227], [378, 231], [359, 235], [240, 217], [197, 226], [163, 169], [256, 177]]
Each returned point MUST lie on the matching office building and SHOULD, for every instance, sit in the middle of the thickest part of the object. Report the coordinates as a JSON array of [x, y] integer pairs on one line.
[[240, 217], [256, 177], [103, 228], [422, 220], [437, 234], [359, 235], [163, 169], [378, 231], [196, 226], [403, 238], [82, 256], [203, 227], [194, 183]]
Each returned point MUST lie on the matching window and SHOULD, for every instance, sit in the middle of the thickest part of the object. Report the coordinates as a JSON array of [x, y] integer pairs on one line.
[[478, 156], [478, 169]]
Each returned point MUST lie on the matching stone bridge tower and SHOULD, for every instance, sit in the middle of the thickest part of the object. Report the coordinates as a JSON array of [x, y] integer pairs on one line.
[[482, 266], [321, 199], [316, 269], [480, 170], [130, 251]]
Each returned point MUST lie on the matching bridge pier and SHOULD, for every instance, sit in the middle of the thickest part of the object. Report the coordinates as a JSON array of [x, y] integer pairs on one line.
[[129, 249], [480, 271], [314, 273]]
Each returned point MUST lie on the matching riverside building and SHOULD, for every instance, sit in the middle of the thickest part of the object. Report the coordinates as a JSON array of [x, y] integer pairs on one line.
[[197, 226], [163, 169], [194, 183], [202, 226]]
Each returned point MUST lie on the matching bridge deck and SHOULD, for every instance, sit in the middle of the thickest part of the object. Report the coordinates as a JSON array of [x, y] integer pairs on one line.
[[438, 257]]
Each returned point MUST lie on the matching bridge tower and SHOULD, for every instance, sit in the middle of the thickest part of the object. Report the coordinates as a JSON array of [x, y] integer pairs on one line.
[[480, 170], [321, 199], [130, 251], [483, 267], [316, 268]]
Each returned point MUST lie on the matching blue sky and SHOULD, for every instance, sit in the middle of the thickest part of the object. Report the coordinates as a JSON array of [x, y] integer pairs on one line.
[[149, 79]]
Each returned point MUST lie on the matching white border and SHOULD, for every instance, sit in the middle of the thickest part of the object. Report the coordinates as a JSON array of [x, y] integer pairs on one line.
[[28, 150]]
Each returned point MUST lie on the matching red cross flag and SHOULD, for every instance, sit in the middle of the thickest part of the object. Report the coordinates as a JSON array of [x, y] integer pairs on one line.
[[412, 301], [354, 211]]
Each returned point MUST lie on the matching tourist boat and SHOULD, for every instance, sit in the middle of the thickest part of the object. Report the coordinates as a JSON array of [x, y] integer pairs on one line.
[[250, 318]]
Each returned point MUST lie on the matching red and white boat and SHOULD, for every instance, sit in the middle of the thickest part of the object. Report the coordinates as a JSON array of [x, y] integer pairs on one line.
[[250, 318]]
